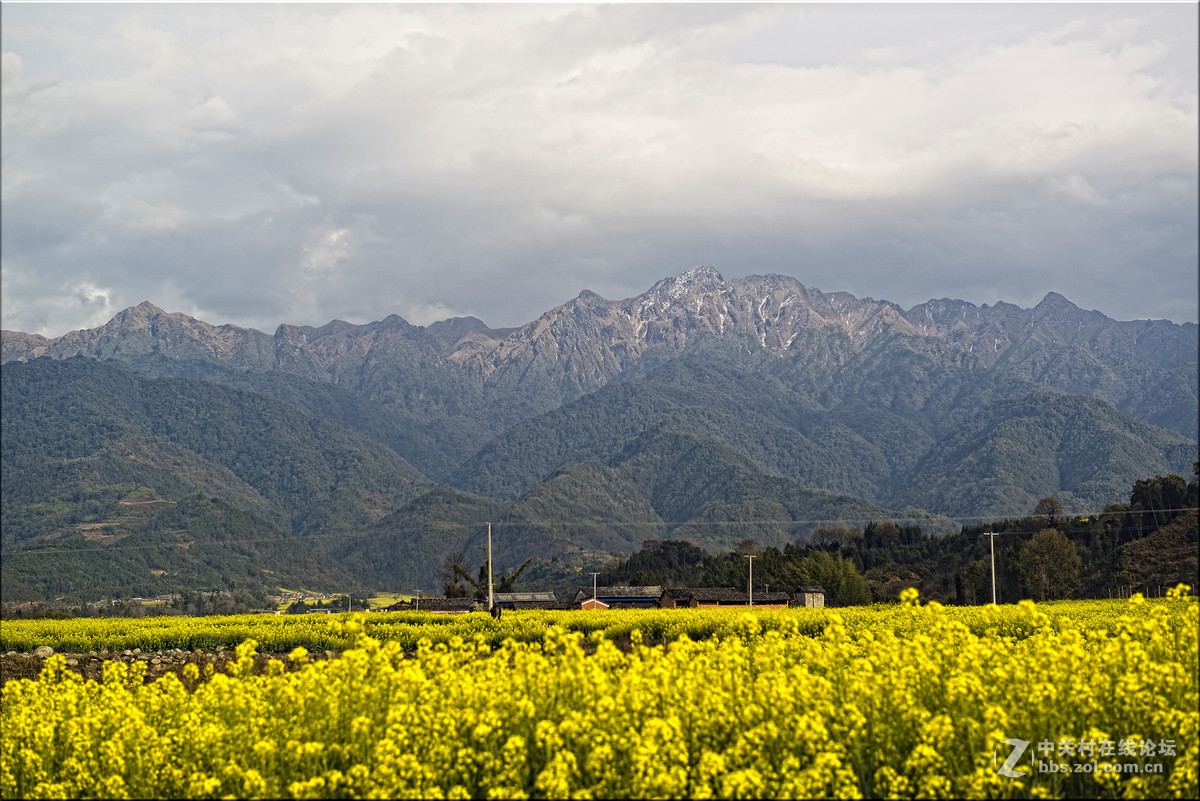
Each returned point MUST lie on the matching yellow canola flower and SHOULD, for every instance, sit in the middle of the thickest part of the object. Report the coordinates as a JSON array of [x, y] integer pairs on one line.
[[907, 700]]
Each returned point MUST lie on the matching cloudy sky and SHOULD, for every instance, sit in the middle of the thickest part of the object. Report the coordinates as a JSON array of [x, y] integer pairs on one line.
[[255, 164]]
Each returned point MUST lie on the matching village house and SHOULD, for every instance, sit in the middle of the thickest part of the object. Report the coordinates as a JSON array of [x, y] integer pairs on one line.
[[618, 598], [436, 605], [530, 600], [717, 597], [810, 596]]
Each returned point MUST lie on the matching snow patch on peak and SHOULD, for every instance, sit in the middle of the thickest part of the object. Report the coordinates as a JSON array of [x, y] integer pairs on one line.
[[697, 279]]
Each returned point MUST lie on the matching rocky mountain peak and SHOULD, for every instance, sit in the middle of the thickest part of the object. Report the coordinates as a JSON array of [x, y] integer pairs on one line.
[[1056, 304], [1056, 309], [702, 279], [943, 312], [463, 334], [583, 344], [17, 346], [1055, 299]]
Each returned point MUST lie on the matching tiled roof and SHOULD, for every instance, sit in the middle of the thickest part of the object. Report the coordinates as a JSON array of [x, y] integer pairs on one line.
[[544, 605], [515, 597], [724, 595], [619, 592], [435, 605], [771, 597], [812, 589]]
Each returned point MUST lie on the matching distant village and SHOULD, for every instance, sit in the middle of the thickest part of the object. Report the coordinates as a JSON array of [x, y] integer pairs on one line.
[[592, 598], [587, 598]]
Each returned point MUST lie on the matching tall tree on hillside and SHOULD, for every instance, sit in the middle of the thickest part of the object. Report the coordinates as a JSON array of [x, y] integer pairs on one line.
[[1049, 508], [1160, 498], [1049, 565], [748, 547], [1192, 499], [834, 537]]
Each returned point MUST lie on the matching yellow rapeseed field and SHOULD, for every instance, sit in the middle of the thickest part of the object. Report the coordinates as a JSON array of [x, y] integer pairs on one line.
[[1078, 699]]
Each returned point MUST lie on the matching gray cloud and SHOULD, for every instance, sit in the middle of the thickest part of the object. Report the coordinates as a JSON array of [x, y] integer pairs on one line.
[[267, 164]]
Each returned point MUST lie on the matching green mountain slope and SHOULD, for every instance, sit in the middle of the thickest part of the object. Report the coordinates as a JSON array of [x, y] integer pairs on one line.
[[885, 428], [404, 550], [309, 475], [48, 497], [1014, 452], [710, 394], [428, 415], [1076, 360], [713, 495], [669, 484], [703, 409], [155, 547]]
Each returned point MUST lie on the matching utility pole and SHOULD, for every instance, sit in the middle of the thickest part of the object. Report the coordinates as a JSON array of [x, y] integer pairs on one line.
[[751, 558], [491, 602], [992, 541], [594, 590]]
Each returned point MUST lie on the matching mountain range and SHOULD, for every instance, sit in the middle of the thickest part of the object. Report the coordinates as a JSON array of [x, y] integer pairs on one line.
[[705, 409]]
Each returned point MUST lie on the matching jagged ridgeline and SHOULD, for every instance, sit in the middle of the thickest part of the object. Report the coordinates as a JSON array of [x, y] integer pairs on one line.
[[704, 409]]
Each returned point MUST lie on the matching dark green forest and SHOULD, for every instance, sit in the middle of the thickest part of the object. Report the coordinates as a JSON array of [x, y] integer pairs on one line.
[[1147, 545]]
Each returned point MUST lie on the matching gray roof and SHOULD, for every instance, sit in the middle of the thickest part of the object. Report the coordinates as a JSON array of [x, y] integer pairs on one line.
[[812, 589], [706, 594], [723, 595], [523, 597], [630, 603], [435, 604], [619, 592], [771, 597], [544, 605]]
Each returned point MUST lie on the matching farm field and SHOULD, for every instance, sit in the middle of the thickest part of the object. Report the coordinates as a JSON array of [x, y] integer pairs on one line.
[[1069, 699]]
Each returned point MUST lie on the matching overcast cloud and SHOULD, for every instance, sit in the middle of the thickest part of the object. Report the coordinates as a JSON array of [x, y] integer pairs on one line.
[[300, 163]]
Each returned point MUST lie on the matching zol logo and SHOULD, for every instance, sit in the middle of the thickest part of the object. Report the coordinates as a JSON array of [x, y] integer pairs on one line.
[[1018, 748]]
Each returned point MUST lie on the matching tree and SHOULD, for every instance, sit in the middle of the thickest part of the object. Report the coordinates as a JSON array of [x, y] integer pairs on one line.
[[748, 547], [843, 584], [1049, 565], [824, 537], [507, 582], [881, 535], [453, 569], [1049, 508], [1192, 499], [854, 591], [1160, 498]]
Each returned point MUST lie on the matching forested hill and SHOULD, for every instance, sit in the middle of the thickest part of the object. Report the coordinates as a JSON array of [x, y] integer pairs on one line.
[[98, 462], [95, 453], [716, 409], [964, 443], [1147, 544]]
